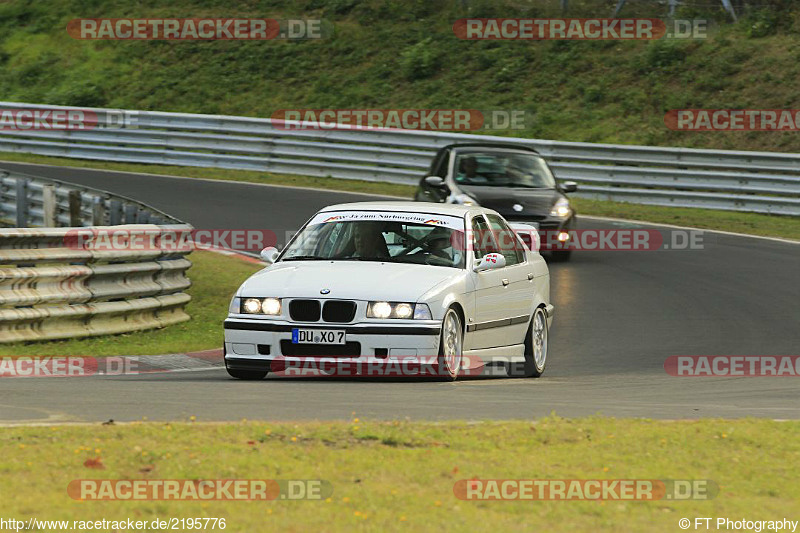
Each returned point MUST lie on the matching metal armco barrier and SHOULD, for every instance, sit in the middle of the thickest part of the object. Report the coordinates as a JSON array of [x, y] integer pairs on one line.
[[58, 282], [761, 182]]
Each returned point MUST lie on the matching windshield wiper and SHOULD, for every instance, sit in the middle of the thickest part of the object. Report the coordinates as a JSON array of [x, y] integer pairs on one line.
[[304, 258], [363, 259]]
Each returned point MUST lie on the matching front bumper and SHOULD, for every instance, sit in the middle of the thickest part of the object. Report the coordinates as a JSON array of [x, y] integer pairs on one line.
[[254, 341]]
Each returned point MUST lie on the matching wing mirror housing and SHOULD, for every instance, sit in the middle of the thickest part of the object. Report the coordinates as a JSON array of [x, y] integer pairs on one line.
[[437, 182], [490, 262], [569, 186], [269, 255]]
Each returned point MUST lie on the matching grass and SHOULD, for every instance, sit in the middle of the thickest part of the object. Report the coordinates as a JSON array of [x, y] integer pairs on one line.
[[749, 223], [404, 54], [399, 476], [215, 278]]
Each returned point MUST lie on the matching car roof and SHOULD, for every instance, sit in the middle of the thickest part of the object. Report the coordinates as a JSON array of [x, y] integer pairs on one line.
[[487, 146], [457, 210]]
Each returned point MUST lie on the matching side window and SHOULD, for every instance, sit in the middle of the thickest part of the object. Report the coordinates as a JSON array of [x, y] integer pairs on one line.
[[509, 244], [441, 166], [482, 238]]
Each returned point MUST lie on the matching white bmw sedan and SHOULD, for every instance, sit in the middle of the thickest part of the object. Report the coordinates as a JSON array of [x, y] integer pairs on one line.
[[396, 281]]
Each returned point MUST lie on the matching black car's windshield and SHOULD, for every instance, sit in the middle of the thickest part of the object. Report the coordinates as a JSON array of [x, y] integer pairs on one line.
[[503, 169], [435, 240]]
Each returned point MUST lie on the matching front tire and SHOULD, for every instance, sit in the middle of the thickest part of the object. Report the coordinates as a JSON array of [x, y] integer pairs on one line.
[[451, 346], [536, 345]]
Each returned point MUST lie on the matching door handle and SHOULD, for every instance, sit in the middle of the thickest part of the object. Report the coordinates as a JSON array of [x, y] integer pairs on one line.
[[530, 276], [505, 283]]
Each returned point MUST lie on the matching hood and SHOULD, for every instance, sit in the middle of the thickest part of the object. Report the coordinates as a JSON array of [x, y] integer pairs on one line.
[[536, 202], [351, 280]]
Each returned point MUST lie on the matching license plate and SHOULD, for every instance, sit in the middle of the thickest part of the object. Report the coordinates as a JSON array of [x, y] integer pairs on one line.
[[318, 336]]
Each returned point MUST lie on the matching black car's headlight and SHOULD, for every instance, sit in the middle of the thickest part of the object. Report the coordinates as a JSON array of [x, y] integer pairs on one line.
[[561, 209], [258, 306], [404, 310]]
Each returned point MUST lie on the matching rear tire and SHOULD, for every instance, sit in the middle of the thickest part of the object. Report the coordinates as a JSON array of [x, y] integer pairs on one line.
[[536, 345], [451, 345]]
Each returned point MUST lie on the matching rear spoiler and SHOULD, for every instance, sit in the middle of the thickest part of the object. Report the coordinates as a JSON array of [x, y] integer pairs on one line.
[[529, 235]]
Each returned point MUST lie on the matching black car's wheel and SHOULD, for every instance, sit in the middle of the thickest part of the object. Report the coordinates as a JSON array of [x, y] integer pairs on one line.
[[450, 346], [536, 345]]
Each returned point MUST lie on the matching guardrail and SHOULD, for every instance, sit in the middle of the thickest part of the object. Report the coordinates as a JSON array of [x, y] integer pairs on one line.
[[761, 182], [57, 282]]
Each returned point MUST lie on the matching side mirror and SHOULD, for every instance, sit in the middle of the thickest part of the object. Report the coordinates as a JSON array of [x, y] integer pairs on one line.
[[436, 182], [489, 262], [269, 255], [569, 186]]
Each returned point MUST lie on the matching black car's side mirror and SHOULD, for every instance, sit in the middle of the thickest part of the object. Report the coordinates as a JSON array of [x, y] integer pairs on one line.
[[436, 182], [569, 186]]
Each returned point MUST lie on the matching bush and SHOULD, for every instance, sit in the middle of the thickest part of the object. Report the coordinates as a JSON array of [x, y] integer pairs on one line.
[[762, 23], [663, 54], [419, 61]]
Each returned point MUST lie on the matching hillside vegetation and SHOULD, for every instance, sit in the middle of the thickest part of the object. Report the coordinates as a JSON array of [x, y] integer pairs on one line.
[[403, 54]]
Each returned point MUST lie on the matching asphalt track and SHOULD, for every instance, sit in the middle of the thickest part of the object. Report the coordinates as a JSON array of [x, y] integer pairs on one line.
[[619, 315]]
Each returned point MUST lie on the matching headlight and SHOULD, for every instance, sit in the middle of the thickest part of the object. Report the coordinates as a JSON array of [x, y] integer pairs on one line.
[[464, 199], [404, 310], [379, 310], [264, 306], [235, 305], [561, 209]]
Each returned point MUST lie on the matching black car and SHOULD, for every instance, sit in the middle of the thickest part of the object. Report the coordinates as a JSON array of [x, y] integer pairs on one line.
[[513, 180]]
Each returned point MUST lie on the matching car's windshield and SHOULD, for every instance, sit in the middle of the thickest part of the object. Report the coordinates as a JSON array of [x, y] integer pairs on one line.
[[414, 238], [503, 169]]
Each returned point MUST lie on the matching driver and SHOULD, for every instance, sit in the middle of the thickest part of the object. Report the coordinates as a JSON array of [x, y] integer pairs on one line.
[[467, 169], [369, 243], [439, 243]]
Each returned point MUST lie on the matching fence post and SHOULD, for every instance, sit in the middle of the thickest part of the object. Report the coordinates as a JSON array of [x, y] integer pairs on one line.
[[98, 211], [75, 218], [49, 204], [22, 202], [115, 213], [130, 213]]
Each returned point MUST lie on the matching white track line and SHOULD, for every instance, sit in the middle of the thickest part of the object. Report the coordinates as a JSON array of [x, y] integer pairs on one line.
[[731, 233]]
